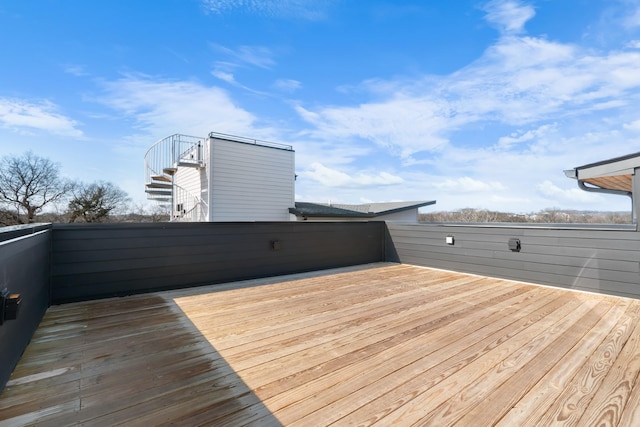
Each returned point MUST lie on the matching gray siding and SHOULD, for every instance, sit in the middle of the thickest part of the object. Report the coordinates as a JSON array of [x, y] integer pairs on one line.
[[605, 261], [24, 269], [92, 261]]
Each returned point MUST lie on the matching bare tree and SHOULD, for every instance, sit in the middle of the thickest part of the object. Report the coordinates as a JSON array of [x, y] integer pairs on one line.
[[95, 202], [29, 183]]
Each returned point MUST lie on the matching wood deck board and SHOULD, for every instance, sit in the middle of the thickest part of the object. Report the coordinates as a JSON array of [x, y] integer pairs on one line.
[[536, 356], [448, 378], [384, 344], [452, 346], [537, 399], [361, 331], [611, 397]]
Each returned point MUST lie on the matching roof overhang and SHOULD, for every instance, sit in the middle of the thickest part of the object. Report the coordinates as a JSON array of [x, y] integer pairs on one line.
[[318, 210], [613, 175]]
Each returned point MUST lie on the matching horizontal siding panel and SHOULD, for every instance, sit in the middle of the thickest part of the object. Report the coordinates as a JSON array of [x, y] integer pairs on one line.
[[280, 165], [109, 250], [593, 269], [180, 274], [527, 249], [224, 204], [251, 153], [556, 276], [239, 192], [250, 182], [543, 278], [529, 257], [249, 216], [115, 254], [115, 259], [250, 185], [127, 231], [623, 240], [241, 176], [500, 241], [24, 270], [605, 261]]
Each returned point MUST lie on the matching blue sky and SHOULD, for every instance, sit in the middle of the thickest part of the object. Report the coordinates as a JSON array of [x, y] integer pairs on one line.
[[477, 104]]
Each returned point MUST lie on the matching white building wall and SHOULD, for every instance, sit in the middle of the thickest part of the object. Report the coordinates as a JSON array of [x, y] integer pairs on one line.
[[410, 215], [190, 187], [191, 191], [250, 182]]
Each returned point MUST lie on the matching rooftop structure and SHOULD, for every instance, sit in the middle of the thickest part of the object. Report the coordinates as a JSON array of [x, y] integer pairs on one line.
[[392, 211], [221, 178], [230, 178]]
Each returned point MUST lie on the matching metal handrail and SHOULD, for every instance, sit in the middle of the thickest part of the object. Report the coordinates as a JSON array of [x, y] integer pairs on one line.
[[197, 210], [251, 141], [169, 151]]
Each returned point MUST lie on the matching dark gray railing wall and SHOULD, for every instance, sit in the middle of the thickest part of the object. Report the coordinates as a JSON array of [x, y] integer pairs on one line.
[[93, 261], [24, 270], [597, 260]]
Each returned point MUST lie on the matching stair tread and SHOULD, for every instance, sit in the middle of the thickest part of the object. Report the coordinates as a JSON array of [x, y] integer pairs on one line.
[[162, 185], [164, 178], [164, 191], [170, 171]]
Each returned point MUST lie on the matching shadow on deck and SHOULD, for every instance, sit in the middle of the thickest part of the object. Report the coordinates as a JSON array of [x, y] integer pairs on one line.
[[134, 360]]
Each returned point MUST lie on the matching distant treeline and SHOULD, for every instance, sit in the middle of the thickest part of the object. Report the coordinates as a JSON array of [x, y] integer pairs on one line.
[[551, 215], [134, 214]]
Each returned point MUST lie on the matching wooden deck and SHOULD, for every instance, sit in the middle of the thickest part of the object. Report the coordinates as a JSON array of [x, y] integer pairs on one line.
[[383, 344]]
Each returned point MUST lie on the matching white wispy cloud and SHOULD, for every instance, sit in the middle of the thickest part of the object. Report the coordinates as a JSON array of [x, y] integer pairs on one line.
[[508, 16], [632, 18], [224, 76], [335, 178], [633, 126], [163, 107], [566, 196], [519, 81], [257, 56], [75, 70], [634, 44], [468, 185], [240, 58], [402, 125], [312, 10], [520, 136], [287, 85], [27, 116]]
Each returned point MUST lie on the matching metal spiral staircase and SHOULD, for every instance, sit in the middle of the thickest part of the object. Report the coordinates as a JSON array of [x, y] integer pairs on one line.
[[162, 161]]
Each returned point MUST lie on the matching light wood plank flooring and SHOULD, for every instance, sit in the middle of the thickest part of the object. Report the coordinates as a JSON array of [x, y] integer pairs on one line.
[[384, 344]]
